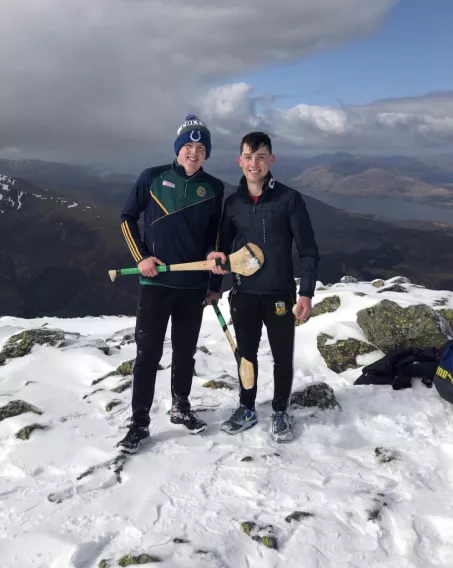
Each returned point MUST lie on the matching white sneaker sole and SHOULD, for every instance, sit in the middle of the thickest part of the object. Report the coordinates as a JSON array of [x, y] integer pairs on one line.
[[283, 438], [246, 426], [197, 431], [142, 443]]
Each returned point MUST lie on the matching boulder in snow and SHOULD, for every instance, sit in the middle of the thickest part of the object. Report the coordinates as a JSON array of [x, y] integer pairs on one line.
[[298, 516], [25, 432], [213, 384], [393, 288], [389, 326], [16, 408], [265, 535], [22, 343], [317, 394], [447, 313], [342, 354]]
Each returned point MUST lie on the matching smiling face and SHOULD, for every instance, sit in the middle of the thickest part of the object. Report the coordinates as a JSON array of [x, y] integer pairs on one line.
[[191, 157], [255, 165]]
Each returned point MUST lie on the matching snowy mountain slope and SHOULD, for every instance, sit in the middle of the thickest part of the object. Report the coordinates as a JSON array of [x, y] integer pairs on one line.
[[183, 498], [14, 192]]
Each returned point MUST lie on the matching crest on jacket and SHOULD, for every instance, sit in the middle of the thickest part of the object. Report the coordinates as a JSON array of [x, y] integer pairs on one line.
[[201, 191], [280, 308]]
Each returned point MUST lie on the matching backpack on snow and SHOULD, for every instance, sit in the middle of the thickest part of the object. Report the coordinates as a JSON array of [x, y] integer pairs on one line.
[[443, 379]]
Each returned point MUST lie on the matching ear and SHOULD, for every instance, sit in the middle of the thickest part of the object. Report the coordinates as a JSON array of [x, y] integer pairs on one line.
[[272, 159], [240, 161]]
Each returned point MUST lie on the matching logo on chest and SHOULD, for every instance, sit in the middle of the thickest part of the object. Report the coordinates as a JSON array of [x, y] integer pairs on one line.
[[201, 191], [168, 183]]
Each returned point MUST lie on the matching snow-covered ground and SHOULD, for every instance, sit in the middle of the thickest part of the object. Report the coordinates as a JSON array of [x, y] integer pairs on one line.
[[197, 488]]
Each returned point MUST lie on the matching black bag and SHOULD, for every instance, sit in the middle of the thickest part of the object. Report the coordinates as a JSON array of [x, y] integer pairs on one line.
[[443, 379]]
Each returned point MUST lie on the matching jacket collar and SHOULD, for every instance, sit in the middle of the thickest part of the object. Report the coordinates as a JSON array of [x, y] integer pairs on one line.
[[268, 186], [180, 171]]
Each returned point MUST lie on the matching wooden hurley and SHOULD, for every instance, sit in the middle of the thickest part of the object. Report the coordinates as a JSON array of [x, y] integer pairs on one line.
[[246, 261], [246, 370]]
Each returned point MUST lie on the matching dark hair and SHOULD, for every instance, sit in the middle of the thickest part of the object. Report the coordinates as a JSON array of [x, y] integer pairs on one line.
[[254, 140]]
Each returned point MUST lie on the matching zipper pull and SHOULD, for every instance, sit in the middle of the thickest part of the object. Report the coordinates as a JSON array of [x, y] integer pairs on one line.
[[254, 207]]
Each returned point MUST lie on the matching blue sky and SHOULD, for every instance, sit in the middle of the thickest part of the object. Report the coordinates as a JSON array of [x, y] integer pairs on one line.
[[410, 55]]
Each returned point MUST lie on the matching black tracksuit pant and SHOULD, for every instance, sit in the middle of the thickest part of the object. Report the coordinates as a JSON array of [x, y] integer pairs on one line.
[[155, 306], [249, 312]]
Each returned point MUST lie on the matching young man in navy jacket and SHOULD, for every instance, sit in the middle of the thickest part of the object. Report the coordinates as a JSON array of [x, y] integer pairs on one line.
[[181, 205], [273, 216]]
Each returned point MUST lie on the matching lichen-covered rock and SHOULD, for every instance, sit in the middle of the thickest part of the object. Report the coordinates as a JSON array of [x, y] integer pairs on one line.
[[378, 283], [247, 459], [204, 349], [265, 535], [213, 384], [298, 516], [25, 432], [325, 306], [111, 405], [342, 354], [392, 288], [122, 387], [17, 407], [349, 280], [389, 326], [177, 540], [106, 563], [317, 394], [129, 560], [22, 343], [447, 313], [384, 455], [360, 294], [443, 301], [124, 370]]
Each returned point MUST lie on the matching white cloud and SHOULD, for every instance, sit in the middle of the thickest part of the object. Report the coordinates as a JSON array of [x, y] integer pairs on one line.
[[410, 124], [113, 79]]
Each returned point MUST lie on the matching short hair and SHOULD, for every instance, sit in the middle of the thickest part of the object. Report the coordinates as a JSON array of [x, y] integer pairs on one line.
[[254, 140]]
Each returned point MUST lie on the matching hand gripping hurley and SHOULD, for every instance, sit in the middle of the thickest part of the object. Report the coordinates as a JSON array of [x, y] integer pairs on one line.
[[246, 261]]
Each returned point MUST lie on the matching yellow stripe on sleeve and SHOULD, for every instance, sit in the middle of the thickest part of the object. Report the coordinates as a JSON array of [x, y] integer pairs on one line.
[[130, 241]]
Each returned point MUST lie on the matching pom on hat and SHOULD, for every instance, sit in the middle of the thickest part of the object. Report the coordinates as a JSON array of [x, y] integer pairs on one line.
[[193, 130]]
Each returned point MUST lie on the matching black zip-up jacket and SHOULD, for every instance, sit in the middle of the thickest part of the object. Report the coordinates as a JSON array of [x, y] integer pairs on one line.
[[278, 219], [181, 222]]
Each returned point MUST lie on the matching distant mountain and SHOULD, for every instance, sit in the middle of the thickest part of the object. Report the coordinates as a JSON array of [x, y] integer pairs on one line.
[[356, 179], [55, 252]]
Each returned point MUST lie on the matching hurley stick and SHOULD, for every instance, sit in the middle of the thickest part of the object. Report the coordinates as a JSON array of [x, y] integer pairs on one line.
[[246, 370], [246, 261]]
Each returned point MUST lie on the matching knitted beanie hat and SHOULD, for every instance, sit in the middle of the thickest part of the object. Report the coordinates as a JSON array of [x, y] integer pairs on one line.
[[193, 130]]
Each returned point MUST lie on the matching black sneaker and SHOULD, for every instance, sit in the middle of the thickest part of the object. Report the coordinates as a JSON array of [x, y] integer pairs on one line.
[[281, 428], [180, 413], [241, 419], [137, 437]]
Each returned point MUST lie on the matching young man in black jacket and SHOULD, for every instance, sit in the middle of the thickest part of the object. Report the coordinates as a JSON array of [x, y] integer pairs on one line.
[[273, 216], [182, 206]]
